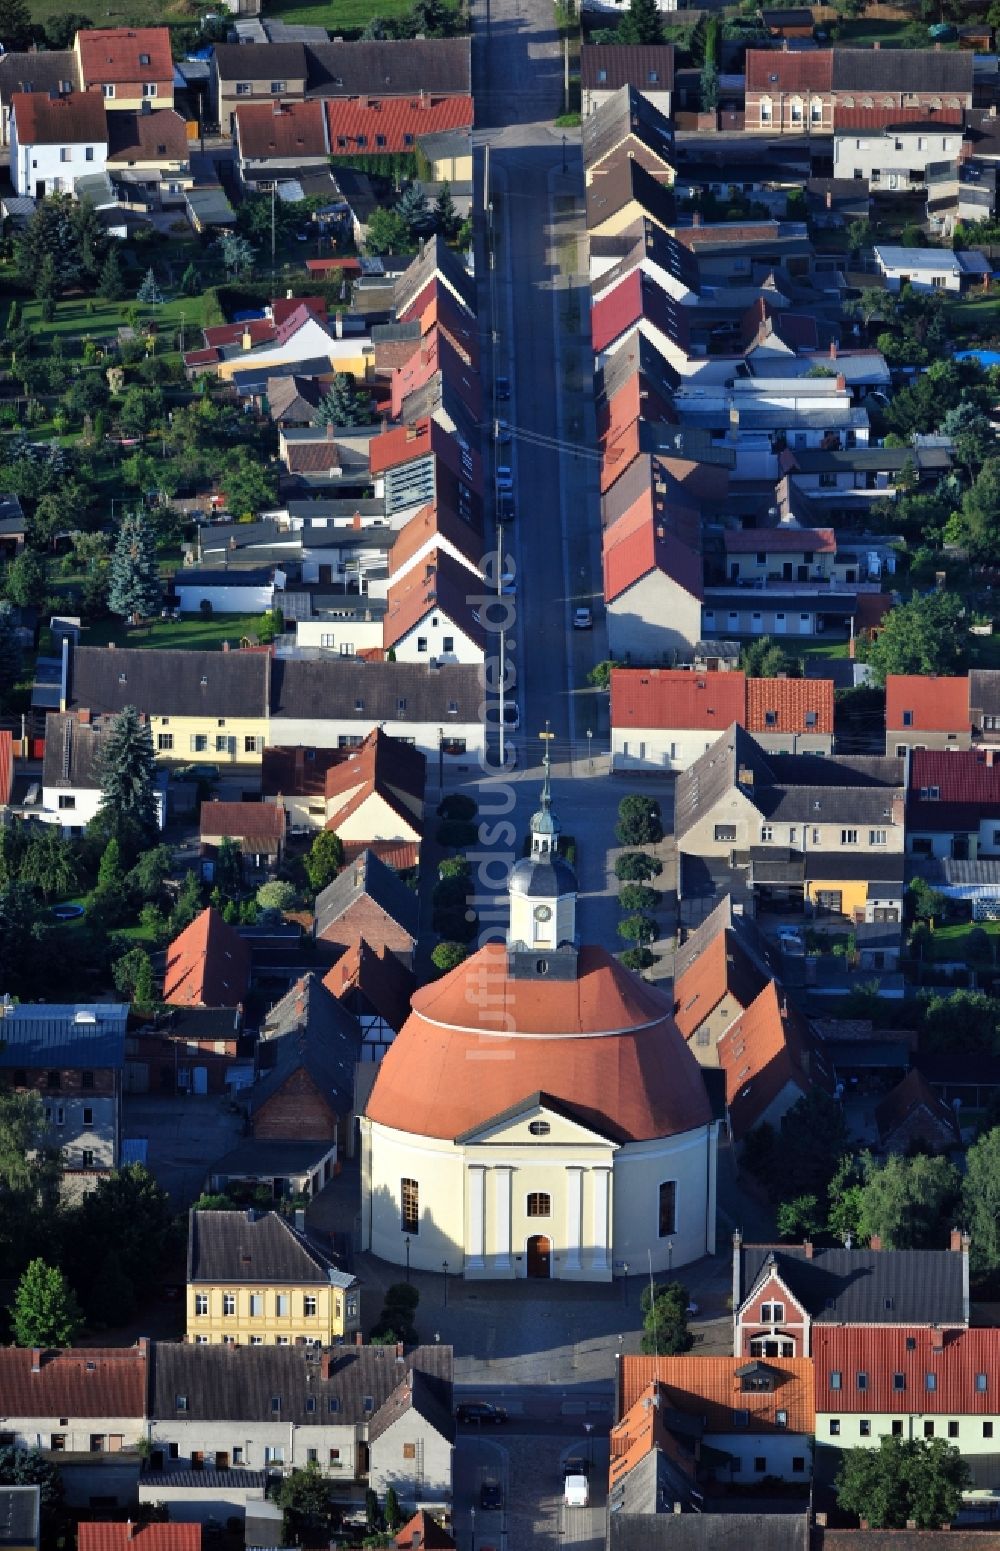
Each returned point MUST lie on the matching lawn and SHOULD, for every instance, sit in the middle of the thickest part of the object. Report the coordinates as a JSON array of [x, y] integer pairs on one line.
[[952, 942], [864, 32], [191, 632], [976, 314], [80, 319], [337, 16]]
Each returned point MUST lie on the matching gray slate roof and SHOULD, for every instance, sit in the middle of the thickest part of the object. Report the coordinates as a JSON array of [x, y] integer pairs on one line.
[[391, 68], [902, 70], [238, 1383], [255, 1247], [744, 931], [274, 61], [205, 1480], [646, 66], [371, 692], [852, 1286], [309, 1028], [44, 1034], [38, 71], [367, 876], [262, 1157], [709, 1531], [628, 112], [169, 683], [19, 1515], [72, 752]]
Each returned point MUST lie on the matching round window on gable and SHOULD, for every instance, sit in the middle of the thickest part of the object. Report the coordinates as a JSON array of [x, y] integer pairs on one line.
[[539, 1128]]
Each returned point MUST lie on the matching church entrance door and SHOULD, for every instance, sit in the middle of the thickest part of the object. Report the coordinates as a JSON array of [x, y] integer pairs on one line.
[[539, 1256]]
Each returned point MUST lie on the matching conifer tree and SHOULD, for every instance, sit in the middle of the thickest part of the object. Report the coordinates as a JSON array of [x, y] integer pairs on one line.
[[446, 218], [343, 403], [110, 286], [149, 292], [134, 589], [413, 208], [128, 803]]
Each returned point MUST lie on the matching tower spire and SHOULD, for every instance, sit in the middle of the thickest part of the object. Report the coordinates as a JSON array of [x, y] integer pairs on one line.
[[544, 824]]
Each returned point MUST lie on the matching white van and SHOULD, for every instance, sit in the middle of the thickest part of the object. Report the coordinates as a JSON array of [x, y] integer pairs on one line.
[[576, 1492]]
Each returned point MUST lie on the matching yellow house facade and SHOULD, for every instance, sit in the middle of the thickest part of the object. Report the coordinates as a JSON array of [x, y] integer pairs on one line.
[[218, 739], [254, 1280]]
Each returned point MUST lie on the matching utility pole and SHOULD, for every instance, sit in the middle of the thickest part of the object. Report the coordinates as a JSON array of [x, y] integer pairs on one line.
[[566, 74], [274, 195]]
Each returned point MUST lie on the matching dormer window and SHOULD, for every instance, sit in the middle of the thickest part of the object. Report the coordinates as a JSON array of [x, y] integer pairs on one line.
[[144, 59]]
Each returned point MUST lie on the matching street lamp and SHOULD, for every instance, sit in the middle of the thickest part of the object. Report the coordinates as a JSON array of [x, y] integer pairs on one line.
[[444, 1266], [625, 1283], [588, 1428], [406, 1241], [564, 152], [472, 1515], [590, 749], [670, 1255]]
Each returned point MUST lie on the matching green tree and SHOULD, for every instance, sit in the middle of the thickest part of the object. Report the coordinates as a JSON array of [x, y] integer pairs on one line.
[[637, 959], [248, 484], [386, 232], [112, 1293], [637, 928], [149, 873], [763, 658], [639, 822], [304, 1499], [22, 939], [130, 1211], [190, 282], [708, 87], [975, 525], [928, 903], [45, 1311], [393, 1516], [141, 409], [447, 220], [637, 867], [67, 230], [448, 955], [188, 904], [664, 1320], [981, 1201], [227, 874], [28, 1467], [111, 285], [927, 635], [135, 589], [906, 1200], [236, 254], [800, 1218], [636, 896], [50, 863], [11, 656], [276, 895], [15, 23], [47, 280], [133, 977], [642, 23], [415, 212], [343, 403], [127, 810], [904, 1480], [324, 859], [149, 293], [27, 579], [600, 674], [29, 1175]]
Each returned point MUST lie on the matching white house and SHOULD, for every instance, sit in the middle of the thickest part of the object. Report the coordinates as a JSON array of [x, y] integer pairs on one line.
[[227, 592], [930, 269], [56, 140], [894, 159], [443, 610], [71, 787]]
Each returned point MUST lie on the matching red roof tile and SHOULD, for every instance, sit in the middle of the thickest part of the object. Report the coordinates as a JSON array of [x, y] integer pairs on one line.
[[618, 310], [160, 136], [138, 1537], [423, 1532], [78, 119], [914, 703], [710, 1387], [109, 55], [432, 522], [79, 1381], [653, 535], [399, 444], [953, 1357], [439, 581], [959, 775], [260, 330], [674, 697], [243, 821], [642, 1429], [400, 855], [789, 705], [208, 965], [381, 126], [604, 1045], [882, 118], [779, 70], [378, 977], [296, 772], [749, 541], [280, 131], [769, 1046], [283, 306], [721, 970], [6, 766]]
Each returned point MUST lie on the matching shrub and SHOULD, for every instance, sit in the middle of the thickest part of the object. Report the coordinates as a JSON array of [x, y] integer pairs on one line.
[[457, 805], [636, 866], [276, 895], [636, 896], [637, 958], [454, 867], [448, 955], [637, 928]]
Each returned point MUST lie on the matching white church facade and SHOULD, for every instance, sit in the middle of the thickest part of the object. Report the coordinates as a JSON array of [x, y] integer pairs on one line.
[[539, 1114]]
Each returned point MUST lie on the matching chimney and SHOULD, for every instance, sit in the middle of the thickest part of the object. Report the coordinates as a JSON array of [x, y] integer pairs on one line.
[[329, 430], [876, 45], [276, 109], [143, 1345], [129, 1530], [300, 1219], [807, 1248], [324, 1365], [829, 199], [36, 1359], [359, 1339], [696, 218], [246, 341], [833, 350], [841, 382], [338, 323], [875, 1242], [990, 755], [399, 1348], [955, 1244]]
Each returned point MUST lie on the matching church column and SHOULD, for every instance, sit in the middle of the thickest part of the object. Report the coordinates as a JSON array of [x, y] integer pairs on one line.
[[503, 1179], [574, 1219], [601, 1178], [476, 1187]]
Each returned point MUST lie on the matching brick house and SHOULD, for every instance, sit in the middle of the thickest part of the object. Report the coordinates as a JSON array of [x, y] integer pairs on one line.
[[309, 1045], [792, 92], [368, 900]]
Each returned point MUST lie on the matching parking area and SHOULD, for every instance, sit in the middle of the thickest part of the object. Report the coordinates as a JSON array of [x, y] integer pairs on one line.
[[184, 1136], [527, 1469]]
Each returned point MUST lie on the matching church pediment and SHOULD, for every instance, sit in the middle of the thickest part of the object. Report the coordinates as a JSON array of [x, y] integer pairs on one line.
[[539, 1121]]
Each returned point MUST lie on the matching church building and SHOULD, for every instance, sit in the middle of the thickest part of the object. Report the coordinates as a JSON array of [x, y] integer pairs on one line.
[[539, 1114]]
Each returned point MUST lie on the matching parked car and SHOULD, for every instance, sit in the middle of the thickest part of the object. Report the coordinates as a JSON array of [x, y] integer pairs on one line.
[[505, 506], [480, 1411], [583, 619], [503, 389], [511, 715], [576, 1491], [502, 432], [491, 1495], [504, 479]]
